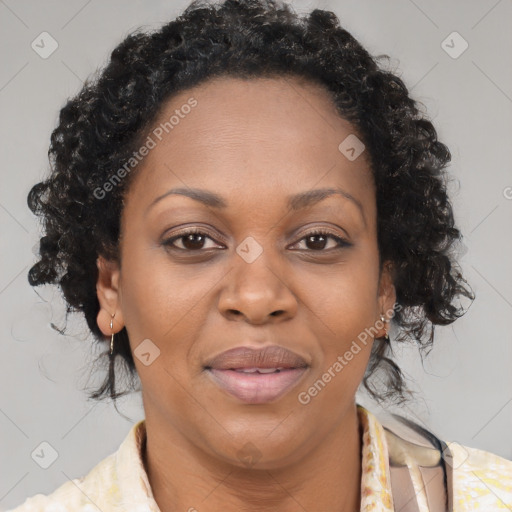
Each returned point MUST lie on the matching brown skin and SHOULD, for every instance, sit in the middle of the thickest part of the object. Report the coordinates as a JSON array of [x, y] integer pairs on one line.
[[254, 143]]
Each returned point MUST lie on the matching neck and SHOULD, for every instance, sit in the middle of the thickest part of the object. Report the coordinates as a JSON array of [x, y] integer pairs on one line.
[[184, 477]]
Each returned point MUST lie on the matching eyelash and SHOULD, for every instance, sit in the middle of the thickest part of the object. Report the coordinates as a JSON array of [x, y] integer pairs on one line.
[[342, 243]]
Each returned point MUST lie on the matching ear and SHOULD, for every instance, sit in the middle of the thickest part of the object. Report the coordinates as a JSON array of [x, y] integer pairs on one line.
[[107, 289], [387, 291]]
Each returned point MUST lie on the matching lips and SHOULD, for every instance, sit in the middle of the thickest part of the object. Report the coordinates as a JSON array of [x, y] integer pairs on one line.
[[257, 376], [273, 356]]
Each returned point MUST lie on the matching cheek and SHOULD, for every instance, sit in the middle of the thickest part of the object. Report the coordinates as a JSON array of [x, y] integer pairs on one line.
[[163, 301], [345, 312], [346, 298]]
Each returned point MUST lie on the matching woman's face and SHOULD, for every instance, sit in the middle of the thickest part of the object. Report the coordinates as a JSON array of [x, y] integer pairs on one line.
[[255, 276]]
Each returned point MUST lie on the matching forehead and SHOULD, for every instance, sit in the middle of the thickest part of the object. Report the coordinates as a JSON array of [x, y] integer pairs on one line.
[[248, 140]]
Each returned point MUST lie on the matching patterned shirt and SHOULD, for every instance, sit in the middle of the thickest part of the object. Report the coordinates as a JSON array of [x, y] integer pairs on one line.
[[482, 481]]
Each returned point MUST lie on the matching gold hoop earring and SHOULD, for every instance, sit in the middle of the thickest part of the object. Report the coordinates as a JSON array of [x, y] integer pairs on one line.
[[386, 336], [112, 337]]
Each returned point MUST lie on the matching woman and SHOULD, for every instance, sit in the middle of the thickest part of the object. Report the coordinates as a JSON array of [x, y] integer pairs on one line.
[[241, 205]]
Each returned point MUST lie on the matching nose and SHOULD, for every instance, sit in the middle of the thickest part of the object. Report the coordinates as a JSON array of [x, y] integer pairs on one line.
[[257, 292]]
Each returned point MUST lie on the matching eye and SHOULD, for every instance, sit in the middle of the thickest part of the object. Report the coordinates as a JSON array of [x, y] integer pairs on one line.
[[319, 239], [192, 239]]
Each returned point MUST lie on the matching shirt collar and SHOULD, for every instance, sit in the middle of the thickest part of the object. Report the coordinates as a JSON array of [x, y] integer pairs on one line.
[[375, 476], [133, 482]]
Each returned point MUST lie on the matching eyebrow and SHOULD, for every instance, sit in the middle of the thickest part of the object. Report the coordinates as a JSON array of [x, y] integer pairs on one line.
[[294, 202]]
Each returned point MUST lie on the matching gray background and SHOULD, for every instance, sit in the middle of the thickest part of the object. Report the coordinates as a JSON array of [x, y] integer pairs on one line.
[[465, 385]]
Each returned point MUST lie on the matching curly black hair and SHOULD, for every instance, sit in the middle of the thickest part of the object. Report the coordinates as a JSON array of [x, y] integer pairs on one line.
[[100, 128]]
